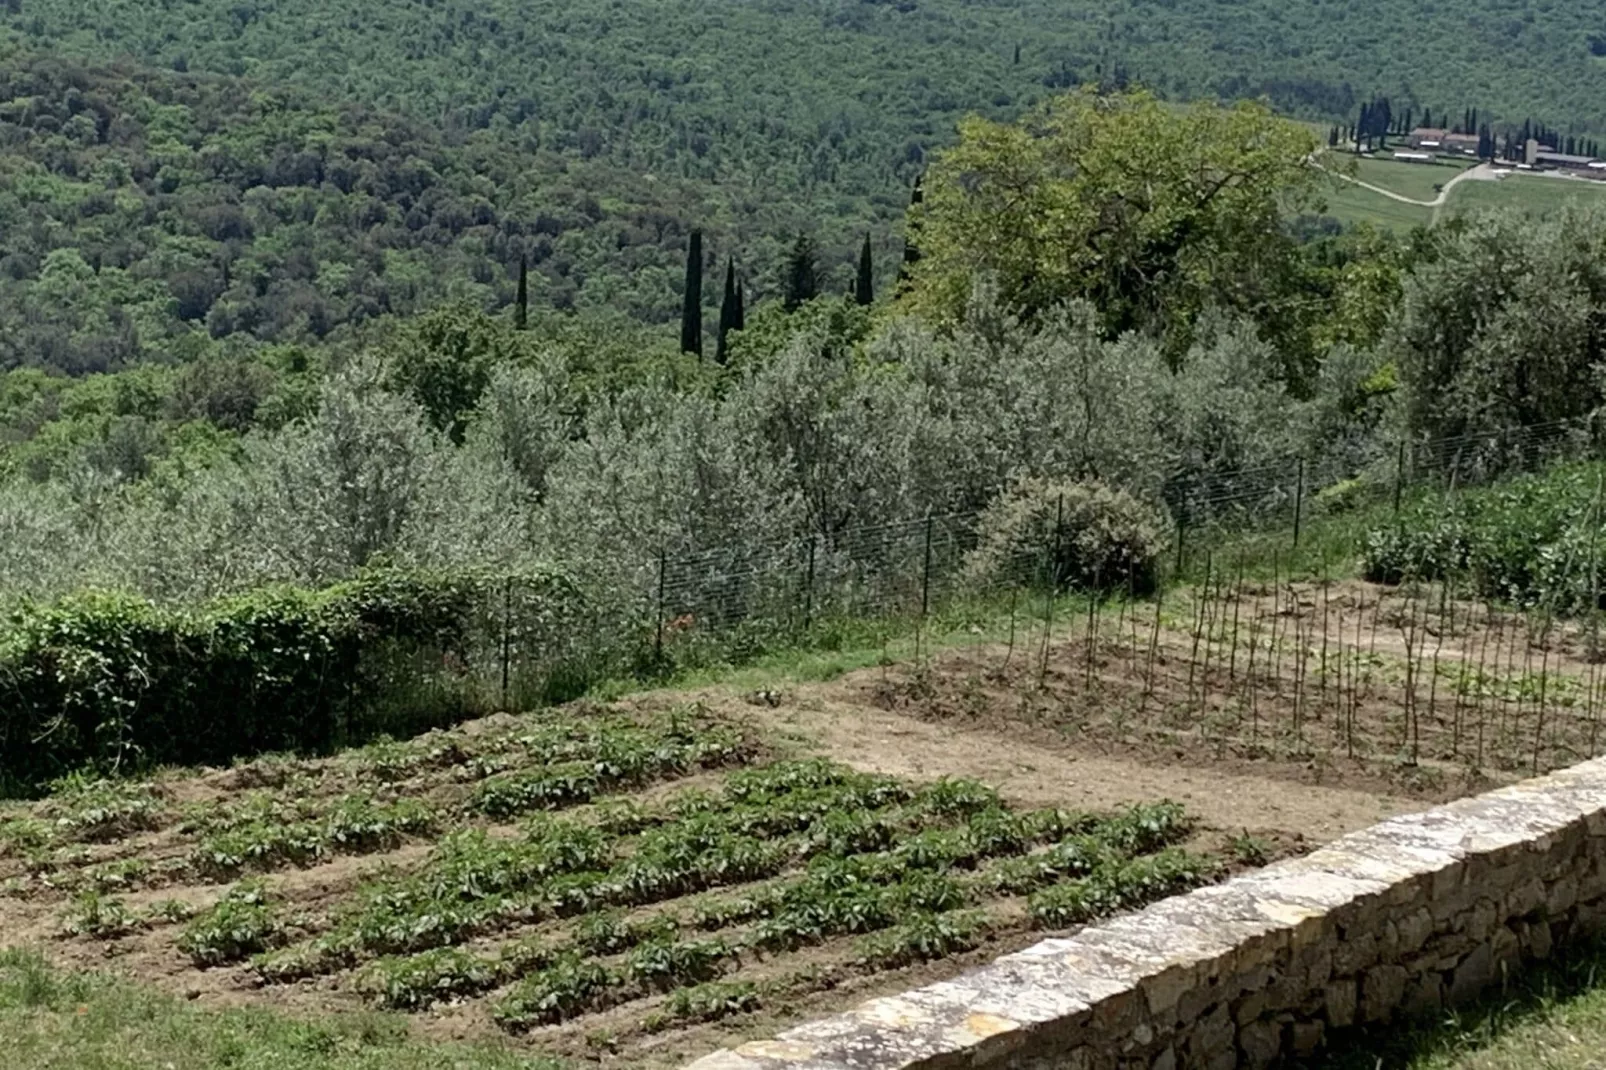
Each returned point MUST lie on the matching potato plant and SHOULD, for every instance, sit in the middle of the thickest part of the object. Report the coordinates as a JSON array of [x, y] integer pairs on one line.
[[244, 922]]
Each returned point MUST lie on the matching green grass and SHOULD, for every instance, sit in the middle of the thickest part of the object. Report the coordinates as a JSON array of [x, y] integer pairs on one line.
[[1353, 205], [54, 1020], [1532, 193], [1554, 1018], [1537, 194], [1414, 180]]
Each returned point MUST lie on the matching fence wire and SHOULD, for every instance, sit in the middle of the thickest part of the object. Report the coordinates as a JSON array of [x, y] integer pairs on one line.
[[1298, 662]]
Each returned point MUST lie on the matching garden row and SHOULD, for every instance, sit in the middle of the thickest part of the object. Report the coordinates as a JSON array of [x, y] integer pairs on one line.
[[631, 901], [1534, 540]]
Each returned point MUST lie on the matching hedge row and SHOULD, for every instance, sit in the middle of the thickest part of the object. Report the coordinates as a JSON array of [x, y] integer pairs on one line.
[[112, 680]]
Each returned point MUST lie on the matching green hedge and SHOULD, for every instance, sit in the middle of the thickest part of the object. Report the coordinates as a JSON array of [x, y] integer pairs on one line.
[[111, 680]]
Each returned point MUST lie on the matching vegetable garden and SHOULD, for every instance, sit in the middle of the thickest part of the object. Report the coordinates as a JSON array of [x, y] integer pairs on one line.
[[587, 877]]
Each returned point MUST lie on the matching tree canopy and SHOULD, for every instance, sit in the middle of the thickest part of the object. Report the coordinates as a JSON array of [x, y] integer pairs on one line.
[[1149, 212]]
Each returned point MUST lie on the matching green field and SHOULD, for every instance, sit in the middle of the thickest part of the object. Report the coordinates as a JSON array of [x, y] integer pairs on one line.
[[1528, 192], [1419, 181], [1350, 203]]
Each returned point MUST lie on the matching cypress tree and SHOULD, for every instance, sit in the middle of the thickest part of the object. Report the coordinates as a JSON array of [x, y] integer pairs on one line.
[[730, 312], [911, 247], [521, 303], [864, 289], [691, 316], [802, 274], [739, 323]]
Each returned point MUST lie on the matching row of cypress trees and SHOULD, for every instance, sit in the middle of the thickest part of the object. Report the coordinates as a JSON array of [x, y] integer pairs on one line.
[[802, 285]]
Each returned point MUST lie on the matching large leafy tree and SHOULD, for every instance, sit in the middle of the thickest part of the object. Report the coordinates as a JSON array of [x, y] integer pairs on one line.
[[1150, 212]]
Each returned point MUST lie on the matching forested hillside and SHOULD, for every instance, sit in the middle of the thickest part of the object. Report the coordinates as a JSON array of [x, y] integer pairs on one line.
[[273, 170], [145, 213]]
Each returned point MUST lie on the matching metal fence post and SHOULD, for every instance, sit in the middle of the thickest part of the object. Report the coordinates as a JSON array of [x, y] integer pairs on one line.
[[1182, 532], [808, 588], [658, 641], [1399, 477], [925, 578], [507, 634], [1299, 501]]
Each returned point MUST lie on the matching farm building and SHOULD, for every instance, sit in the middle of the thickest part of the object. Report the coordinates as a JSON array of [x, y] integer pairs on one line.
[[1437, 139]]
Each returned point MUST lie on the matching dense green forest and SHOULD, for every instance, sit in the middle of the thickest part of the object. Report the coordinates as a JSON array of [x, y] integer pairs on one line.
[[182, 173], [145, 215]]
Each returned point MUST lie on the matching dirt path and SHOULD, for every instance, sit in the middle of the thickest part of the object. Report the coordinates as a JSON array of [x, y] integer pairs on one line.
[[839, 718], [1481, 173]]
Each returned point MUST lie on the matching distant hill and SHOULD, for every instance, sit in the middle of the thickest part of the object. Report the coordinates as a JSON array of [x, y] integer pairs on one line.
[[277, 169]]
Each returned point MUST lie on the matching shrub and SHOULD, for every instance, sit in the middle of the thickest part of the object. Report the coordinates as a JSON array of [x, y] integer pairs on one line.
[[1076, 535]]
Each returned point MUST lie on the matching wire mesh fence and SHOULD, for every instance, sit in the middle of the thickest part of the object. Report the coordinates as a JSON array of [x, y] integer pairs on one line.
[[1247, 646]]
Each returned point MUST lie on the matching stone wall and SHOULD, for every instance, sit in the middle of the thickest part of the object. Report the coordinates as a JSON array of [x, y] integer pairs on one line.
[[1394, 922]]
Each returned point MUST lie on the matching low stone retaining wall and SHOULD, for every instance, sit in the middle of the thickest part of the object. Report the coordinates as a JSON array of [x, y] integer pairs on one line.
[[1399, 920]]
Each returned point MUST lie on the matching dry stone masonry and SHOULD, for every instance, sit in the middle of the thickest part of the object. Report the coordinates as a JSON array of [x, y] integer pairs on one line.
[[1394, 922]]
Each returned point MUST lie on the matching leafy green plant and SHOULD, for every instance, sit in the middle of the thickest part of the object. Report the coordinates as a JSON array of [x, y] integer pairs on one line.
[[412, 982], [120, 873], [21, 835], [243, 923], [1119, 886], [86, 807], [1146, 827], [170, 910], [606, 933], [570, 986], [708, 1002], [664, 964], [923, 937], [1250, 850], [97, 915]]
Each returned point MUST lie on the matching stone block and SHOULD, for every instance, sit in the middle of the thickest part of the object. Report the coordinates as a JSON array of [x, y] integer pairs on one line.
[[1507, 951], [1562, 896], [1538, 943], [1424, 996], [1306, 1037], [1382, 991], [1166, 1060], [1473, 975], [1485, 915], [1414, 930], [1356, 953], [1261, 1043], [1214, 1034], [1525, 898], [1341, 1003]]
